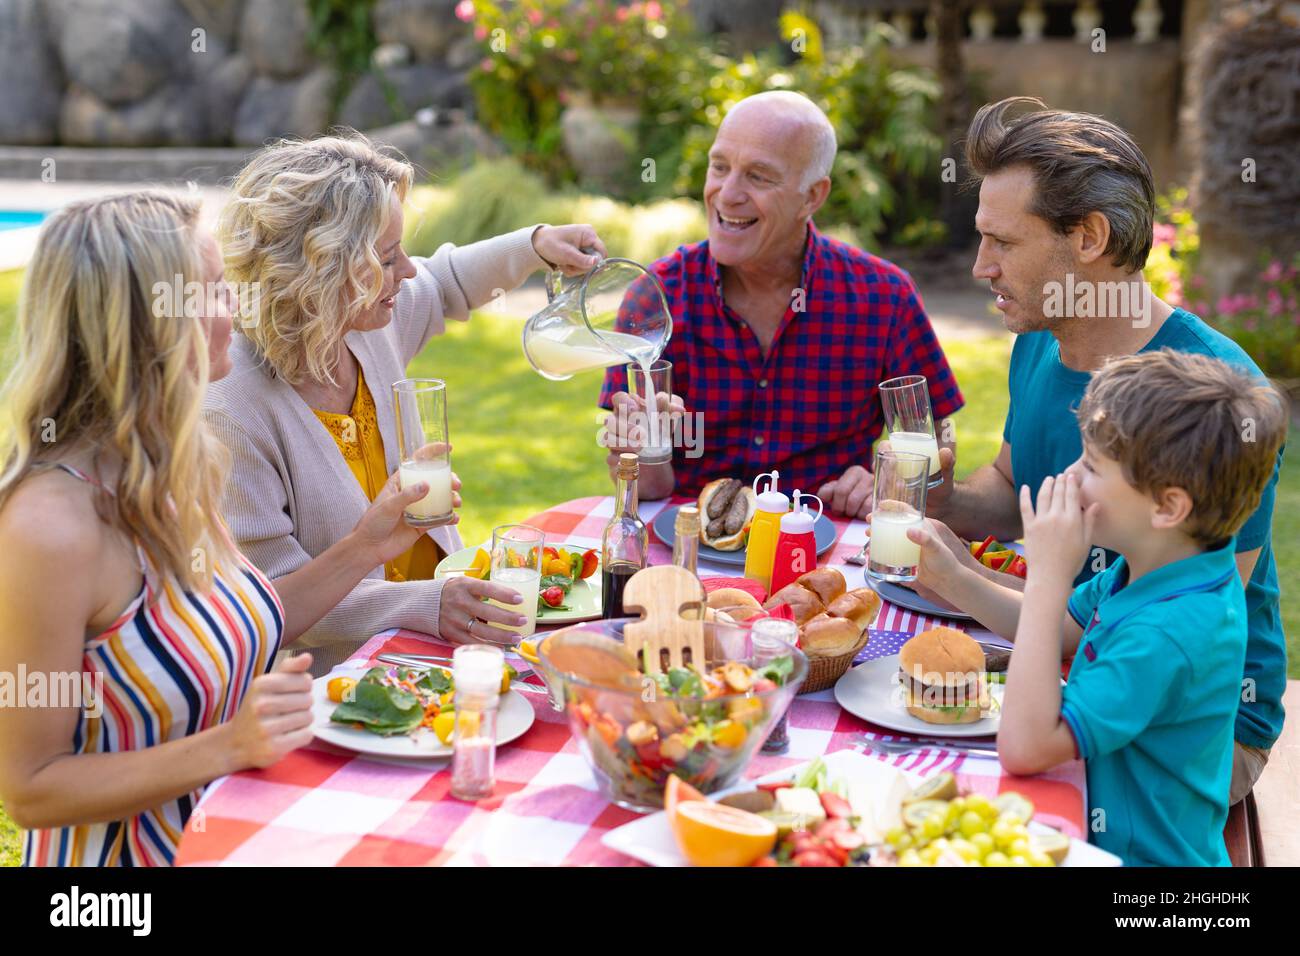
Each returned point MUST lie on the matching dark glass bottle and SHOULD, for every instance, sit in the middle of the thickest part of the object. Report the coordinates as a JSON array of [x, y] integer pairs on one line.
[[625, 545]]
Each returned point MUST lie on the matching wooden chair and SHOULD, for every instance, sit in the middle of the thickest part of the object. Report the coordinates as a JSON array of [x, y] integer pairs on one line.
[[1270, 816]]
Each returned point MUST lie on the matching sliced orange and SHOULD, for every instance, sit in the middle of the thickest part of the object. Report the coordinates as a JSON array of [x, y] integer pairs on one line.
[[478, 568], [711, 834], [678, 791]]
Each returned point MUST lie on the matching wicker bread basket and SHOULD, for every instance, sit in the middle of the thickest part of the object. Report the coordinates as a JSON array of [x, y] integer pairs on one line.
[[823, 672]]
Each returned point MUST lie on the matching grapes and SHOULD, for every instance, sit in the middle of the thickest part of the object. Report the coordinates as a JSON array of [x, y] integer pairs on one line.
[[971, 828], [972, 823]]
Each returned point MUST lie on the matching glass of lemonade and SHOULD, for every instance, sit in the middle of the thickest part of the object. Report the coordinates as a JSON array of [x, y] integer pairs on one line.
[[517, 563], [898, 504], [646, 385], [424, 448], [910, 421]]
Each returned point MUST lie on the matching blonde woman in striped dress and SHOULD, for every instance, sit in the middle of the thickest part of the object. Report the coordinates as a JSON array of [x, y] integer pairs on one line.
[[114, 562]]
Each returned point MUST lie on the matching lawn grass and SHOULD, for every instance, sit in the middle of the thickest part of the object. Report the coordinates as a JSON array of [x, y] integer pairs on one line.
[[523, 443]]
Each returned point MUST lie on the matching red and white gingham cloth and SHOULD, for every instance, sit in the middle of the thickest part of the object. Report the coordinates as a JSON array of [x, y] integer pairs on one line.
[[325, 806]]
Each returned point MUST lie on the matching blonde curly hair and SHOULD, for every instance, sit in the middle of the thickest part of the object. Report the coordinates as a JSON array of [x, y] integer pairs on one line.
[[301, 229], [101, 365]]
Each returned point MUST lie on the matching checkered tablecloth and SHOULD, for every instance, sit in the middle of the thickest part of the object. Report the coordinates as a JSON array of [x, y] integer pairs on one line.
[[329, 807]]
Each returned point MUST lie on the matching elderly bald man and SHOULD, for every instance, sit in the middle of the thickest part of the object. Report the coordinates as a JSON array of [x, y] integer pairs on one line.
[[780, 333]]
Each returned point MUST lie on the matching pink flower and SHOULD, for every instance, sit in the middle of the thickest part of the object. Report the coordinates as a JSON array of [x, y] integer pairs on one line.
[[1274, 302], [1198, 282], [465, 10], [621, 14], [480, 33], [487, 64], [1164, 234], [1273, 273], [1227, 305], [653, 11], [534, 16]]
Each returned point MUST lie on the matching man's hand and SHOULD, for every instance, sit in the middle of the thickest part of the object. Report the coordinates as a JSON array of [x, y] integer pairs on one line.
[[1059, 536], [625, 426], [562, 247], [936, 499], [850, 494]]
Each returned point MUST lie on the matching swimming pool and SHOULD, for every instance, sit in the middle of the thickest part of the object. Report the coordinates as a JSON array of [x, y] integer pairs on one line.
[[10, 219]]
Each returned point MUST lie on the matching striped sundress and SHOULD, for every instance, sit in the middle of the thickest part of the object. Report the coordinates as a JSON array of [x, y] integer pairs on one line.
[[170, 667]]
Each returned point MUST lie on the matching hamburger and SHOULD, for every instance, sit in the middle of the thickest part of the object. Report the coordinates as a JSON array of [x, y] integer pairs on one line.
[[727, 509], [942, 672]]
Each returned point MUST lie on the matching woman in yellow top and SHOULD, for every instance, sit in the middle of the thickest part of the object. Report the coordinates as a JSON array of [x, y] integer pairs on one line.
[[313, 239], [362, 446]]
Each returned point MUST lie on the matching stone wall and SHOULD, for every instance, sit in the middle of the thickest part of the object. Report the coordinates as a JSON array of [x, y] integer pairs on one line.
[[212, 72]]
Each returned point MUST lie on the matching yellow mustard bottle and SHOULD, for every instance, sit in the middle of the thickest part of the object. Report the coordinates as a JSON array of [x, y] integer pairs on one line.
[[760, 551]]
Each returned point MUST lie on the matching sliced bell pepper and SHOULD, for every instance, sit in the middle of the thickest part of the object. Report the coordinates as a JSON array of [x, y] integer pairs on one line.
[[1018, 567], [984, 546], [998, 561]]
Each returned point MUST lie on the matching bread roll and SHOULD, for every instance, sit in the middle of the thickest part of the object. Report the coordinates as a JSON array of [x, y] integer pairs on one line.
[[826, 636], [804, 603], [826, 583], [944, 655], [733, 598], [860, 605]]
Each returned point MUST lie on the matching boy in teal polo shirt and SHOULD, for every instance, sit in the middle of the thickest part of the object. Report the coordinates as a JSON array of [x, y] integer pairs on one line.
[[1177, 451]]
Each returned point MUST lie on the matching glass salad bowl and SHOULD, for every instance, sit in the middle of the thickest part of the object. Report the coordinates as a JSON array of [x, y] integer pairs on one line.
[[701, 724]]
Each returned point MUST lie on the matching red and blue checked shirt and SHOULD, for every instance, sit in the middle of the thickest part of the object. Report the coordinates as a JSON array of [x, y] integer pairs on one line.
[[810, 408]]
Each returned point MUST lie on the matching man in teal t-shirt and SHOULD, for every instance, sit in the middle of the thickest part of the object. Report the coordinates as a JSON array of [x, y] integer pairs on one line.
[[1067, 207]]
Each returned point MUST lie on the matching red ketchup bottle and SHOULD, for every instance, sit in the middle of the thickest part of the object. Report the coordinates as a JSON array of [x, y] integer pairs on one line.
[[796, 545]]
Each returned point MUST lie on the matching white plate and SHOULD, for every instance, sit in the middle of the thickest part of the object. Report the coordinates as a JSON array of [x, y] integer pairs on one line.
[[873, 691], [514, 718], [650, 840]]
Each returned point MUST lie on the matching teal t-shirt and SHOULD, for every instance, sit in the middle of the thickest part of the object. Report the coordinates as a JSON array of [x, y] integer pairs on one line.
[[1044, 438], [1151, 701]]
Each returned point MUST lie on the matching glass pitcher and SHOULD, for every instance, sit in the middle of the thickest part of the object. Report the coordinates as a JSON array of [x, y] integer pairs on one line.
[[617, 312]]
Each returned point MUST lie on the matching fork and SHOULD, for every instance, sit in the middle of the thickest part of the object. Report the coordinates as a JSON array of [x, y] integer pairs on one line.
[[892, 748], [861, 556]]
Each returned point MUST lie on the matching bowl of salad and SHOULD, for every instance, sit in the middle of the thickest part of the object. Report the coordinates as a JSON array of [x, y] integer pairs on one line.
[[702, 723]]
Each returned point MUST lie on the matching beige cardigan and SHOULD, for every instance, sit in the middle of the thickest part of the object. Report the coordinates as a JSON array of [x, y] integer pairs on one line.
[[290, 494]]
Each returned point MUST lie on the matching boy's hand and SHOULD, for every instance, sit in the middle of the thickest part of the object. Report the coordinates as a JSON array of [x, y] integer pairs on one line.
[[1059, 535], [939, 564]]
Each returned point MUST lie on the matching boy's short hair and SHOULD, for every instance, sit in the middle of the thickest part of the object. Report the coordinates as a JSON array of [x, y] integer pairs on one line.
[[1177, 419]]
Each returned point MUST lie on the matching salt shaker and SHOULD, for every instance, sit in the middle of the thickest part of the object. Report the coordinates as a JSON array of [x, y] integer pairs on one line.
[[772, 638], [476, 670]]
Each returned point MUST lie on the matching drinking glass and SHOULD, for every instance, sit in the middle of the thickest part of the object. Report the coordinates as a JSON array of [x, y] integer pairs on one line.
[[910, 421], [517, 562], [658, 429], [898, 504], [424, 448]]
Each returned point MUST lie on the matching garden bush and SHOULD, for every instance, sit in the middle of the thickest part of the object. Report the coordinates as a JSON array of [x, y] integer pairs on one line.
[[1263, 320]]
